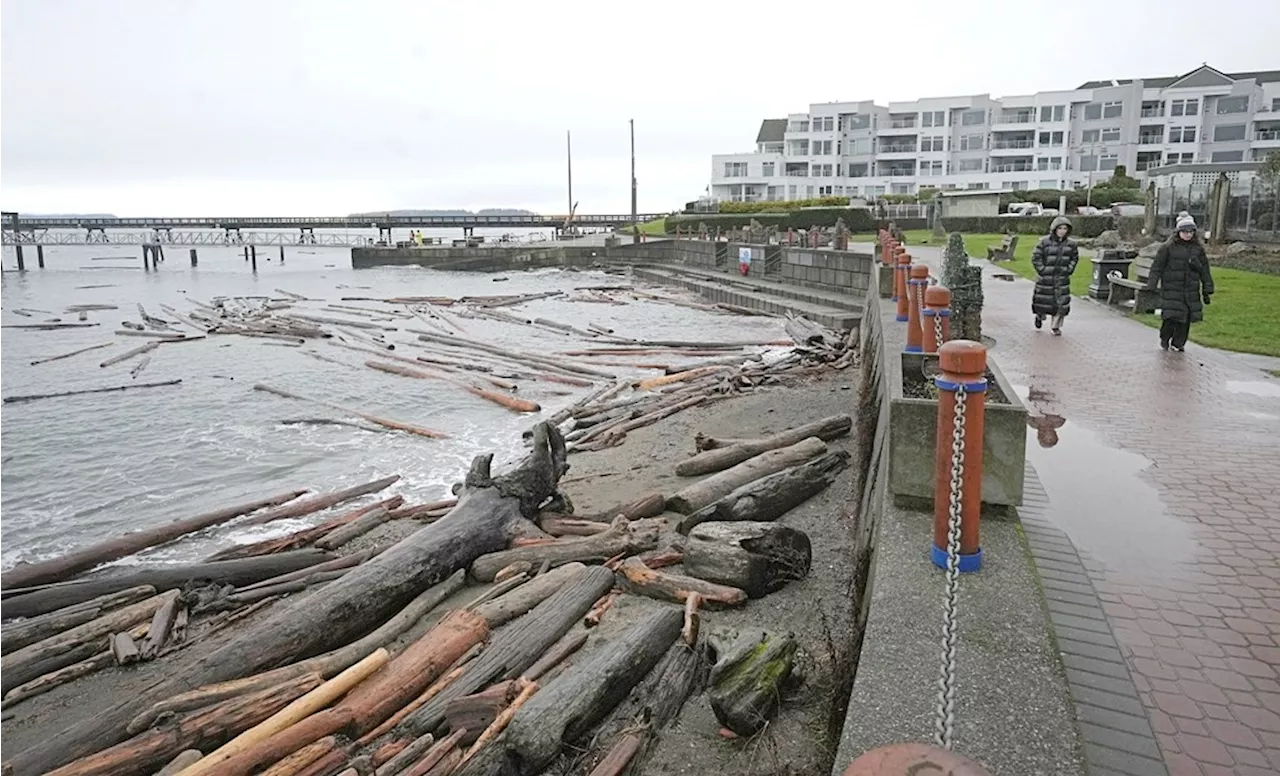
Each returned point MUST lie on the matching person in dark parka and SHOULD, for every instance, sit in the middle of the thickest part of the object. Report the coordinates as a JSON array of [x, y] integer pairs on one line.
[[1054, 258], [1181, 273]]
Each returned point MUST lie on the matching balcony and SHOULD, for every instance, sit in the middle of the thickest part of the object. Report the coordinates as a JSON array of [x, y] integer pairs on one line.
[[902, 123], [898, 148], [1028, 117], [896, 172], [1013, 168], [1266, 136], [1152, 113], [1151, 139], [1004, 145]]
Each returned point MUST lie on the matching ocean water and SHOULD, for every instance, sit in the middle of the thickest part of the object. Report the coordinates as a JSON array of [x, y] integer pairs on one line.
[[77, 470]]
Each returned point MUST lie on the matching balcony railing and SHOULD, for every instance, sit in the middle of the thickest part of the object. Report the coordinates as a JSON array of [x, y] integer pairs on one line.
[[1152, 113], [997, 145], [1150, 139], [1267, 134], [797, 173], [902, 123], [896, 173], [1016, 118], [1012, 168], [898, 148]]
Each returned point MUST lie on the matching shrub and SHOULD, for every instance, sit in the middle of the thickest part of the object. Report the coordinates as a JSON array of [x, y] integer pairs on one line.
[[855, 219], [1081, 226], [782, 207]]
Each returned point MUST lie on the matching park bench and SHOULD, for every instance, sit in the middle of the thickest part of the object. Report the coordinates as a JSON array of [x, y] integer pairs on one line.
[[1003, 251], [1123, 289]]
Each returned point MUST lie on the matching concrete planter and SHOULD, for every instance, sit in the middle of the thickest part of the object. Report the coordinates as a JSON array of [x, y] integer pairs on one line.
[[913, 430]]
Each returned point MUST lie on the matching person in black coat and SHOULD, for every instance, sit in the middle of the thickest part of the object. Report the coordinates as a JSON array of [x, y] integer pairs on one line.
[[1054, 258], [1181, 273]]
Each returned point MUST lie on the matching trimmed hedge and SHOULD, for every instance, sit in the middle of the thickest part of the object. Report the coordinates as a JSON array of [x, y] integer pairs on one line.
[[781, 207], [1081, 226], [855, 219]]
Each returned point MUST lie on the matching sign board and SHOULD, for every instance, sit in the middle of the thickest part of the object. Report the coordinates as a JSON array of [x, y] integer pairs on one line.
[[744, 255]]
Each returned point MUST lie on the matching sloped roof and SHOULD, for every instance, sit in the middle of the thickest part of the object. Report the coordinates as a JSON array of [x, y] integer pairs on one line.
[[771, 131], [1261, 76]]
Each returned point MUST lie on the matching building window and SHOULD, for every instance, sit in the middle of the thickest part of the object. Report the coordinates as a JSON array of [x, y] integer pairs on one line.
[[735, 169], [1015, 185], [826, 170], [973, 118], [970, 165], [824, 123], [977, 186], [821, 148], [1089, 163], [825, 191], [855, 121], [1275, 103], [1108, 162], [1111, 135], [1053, 113], [933, 118], [931, 168], [1227, 156], [1233, 104], [1182, 134], [1184, 107], [857, 170], [860, 145], [1047, 184], [1049, 163], [1180, 158], [931, 144], [798, 126], [1093, 111], [1090, 135], [971, 142], [766, 169], [1112, 110], [1228, 132], [1051, 138]]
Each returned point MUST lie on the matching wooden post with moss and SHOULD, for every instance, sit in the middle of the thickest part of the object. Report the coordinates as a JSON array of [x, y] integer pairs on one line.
[[965, 282]]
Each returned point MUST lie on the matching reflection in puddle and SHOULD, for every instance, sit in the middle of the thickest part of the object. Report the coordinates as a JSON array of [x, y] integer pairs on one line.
[[1265, 388]]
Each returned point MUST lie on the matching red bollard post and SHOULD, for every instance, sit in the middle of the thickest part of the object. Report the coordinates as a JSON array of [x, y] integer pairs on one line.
[[962, 394], [917, 281], [900, 287], [935, 321], [891, 255]]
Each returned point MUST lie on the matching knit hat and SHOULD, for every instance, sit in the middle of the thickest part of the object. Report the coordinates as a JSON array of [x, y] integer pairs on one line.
[[1186, 224]]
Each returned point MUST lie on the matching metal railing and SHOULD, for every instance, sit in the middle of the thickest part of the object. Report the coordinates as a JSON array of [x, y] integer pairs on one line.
[[902, 124], [1267, 134], [1152, 113], [997, 145], [1016, 118], [898, 148], [1012, 168], [1151, 140]]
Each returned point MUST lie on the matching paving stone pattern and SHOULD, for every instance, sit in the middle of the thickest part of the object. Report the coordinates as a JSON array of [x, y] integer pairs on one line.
[[1198, 626]]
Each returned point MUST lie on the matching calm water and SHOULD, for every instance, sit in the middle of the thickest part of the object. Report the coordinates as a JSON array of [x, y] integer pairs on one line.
[[80, 469]]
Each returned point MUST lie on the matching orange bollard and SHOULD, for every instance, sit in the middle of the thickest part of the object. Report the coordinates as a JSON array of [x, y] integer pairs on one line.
[[962, 364], [917, 281], [891, 256], [900, 284], [935, 321], [882, 237], [913, 759]]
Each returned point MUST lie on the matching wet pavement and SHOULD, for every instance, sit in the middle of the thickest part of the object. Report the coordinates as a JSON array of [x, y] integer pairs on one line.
[[1163, 469]]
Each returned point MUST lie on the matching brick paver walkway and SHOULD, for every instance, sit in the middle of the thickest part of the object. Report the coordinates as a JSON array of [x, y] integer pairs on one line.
[[1166, 478]]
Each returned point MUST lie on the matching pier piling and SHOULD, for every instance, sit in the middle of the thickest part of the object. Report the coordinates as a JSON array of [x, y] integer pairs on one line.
[[40, 256], [22, 266], [253, 257], [193, 257]]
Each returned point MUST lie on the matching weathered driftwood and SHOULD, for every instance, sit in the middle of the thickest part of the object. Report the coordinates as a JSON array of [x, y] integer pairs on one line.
[[131, 386], [769, 498], [637, 578], [244, 571], [723, 361], [520, 600], [237, 599], [19, 634], [47, 682], [161, 626], [748, 681], [512, 403], [698, 495], [568, 526], [195, 730], [130, 353], [46, 326], [621, 537], [124, 650], [358, 527], [176, 765], [758, 558], [477, 711], [443, 754], [406, 756], [384, 422], [519, 358], [570, 705], [435, 689], [337, 564], [720, 459], [322, 666], [306, 535], [291, 765], [59, 357], [651, 505], [516, 648], [317, 503]]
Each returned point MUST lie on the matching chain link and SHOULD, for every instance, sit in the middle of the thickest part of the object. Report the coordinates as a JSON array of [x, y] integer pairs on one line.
[[937, 329], [945, 722]]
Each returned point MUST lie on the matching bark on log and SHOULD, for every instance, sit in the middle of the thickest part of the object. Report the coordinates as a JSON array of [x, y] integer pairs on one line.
[[337, 564], [759, 558], [58, 569], [325, 666], [113, 389], [769, 498], [621, 537], [306, 535], [724, 361], [477, 711], [563, 711], [698, 495], [481, 523], [440, 753], [181, 761], [407, 756], [47, 682], [229, 572], [198, 729], [161, 626], [317, 503], [826, 429], [516, 648], [638, 579], [124, 650], [748, 685], [651, 505], [568, 526], [519, 601], [20, 634], [291, 765], [358, 527]]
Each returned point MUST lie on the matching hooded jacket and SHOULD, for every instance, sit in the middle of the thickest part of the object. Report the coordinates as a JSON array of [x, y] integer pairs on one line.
[[1181, 272], [1054, 260]]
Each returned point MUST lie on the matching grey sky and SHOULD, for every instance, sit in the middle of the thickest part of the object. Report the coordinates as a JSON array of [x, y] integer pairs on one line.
[[311, 108]]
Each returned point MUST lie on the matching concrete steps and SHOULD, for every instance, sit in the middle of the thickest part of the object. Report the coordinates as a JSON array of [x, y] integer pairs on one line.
[[832, 310]]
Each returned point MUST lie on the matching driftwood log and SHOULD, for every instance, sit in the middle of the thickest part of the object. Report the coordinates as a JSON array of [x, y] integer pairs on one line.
[[19, 634], [720, 459], [488, 509], [570, 705], [358, 527], [759, 558], [517, 648], [306, 535], [58, 569], [317, 503], [749, 679], [622, 537], [637, 578], [521, 600], [704, 492], [244, 571], [770, 497]]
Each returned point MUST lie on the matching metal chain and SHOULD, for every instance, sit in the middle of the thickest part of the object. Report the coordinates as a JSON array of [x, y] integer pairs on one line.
[[945, 722], [937, 329]]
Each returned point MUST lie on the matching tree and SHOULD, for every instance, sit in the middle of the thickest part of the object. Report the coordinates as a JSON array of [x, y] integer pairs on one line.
[[965, 283], [1270, 170]]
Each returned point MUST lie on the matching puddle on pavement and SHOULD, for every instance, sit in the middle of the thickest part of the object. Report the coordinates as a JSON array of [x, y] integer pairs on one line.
[[1098, 496], [1268, 389]]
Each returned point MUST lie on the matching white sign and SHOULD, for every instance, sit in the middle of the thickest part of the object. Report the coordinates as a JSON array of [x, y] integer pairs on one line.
[[744, 255]]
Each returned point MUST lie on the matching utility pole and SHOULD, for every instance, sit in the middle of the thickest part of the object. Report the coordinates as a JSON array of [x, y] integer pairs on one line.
[[568, 142], [635, 226]]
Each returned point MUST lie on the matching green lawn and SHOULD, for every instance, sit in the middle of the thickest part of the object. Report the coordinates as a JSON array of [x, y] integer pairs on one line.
[[657, 227], [1243, 317]]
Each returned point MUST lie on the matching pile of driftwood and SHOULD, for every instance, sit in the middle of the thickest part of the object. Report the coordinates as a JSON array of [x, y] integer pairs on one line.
[[345, 680]]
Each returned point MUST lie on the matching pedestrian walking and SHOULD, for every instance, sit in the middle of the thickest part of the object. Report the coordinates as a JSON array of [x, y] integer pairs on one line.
[[1055, 257], [1181, 273]]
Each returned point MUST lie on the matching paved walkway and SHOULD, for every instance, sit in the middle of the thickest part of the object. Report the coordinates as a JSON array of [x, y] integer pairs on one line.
[[1163, 470]]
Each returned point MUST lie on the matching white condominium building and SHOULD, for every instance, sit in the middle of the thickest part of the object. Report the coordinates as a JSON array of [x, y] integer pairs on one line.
[[1047, 140]]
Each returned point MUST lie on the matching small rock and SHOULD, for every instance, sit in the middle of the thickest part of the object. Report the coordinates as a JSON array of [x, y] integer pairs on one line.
[[1108, 239], [1238, 248]]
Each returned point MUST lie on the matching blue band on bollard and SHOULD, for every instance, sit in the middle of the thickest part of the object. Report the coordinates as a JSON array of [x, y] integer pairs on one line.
[[901, 319], [945, 313], [926, 312], [947, 385], [966, 563], [914, 349]]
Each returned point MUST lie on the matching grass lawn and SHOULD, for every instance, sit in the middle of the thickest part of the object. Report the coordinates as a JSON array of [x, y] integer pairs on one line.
[[1243, 316], [657, 227]]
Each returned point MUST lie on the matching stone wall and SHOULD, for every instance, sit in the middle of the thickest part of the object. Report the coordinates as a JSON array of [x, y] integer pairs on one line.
[[848, 271], [480, 259]]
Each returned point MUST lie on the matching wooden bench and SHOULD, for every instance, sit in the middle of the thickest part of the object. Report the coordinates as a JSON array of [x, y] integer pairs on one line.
[[1122, 289], [1003, 251]]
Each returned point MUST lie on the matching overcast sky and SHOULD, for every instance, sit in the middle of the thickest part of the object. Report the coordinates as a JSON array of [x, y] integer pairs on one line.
[[227, 107]]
